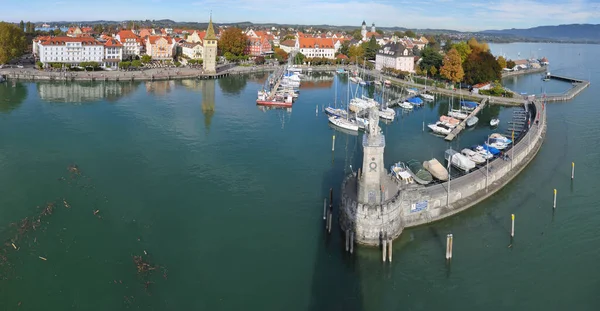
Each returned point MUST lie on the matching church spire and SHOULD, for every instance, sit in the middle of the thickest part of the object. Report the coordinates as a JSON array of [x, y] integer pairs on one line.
[[210, 32]]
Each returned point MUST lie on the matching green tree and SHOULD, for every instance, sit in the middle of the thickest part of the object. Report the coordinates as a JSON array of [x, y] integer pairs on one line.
[[98, 28], [370, 47], [481, 67], [452, 68], [433, 71], [448, 45], [463, 49], [289, 37], [299, 58], [356, 34], [136, 63], [146, 58], [22, 25], [430, 58], [501, 61], [12, 42], [399, 34], [28, 28], [510, 64], [233, 41], [379, 31], [409, 33], [344, 48], [356, 52]]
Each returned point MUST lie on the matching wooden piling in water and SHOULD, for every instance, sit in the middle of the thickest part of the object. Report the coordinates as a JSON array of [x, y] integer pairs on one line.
[[572, 170], [383, 250], [390, 250], [325, 209], [554, 206], [449, 246], [351, 242], [512, 226], [347, 240], [333, 143]]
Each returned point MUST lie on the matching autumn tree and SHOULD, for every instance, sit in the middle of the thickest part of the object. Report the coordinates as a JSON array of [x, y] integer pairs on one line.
[[476, 46], [463, 49], [501, 61], [510, 64], [356, 52], [481, 67], [12, 42], [433, 71], [233, 41], [280, 55], [452, 68]]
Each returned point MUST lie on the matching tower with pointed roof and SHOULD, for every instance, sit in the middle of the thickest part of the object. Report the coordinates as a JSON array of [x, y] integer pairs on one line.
[[363, 30], [210, 49]]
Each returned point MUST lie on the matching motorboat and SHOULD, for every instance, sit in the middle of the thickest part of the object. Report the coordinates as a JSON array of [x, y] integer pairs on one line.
[[440, 128], [277, 101], [419, 173], [336, 112], [500, 145], [459, 114], [436, 169], [483, 152], [473, 156], [406, 105], [494, 122], [427, 96], [501, 137], [491, 149], [468, 105], [472, 121], [362, 122], [400, 171], [344, 123], [450, 121], [387, 113], [458, 160]]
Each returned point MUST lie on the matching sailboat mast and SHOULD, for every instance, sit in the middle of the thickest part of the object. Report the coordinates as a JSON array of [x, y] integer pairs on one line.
[[348, 97]]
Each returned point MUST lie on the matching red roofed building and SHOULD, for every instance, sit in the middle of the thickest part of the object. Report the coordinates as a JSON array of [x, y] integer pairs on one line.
[[159, 47], [70, 50], [258, 43], [113, 53], [316, 47], [131, 43], [35, 42]]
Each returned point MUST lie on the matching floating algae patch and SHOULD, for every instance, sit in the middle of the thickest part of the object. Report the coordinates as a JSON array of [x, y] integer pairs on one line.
[[65, 250]]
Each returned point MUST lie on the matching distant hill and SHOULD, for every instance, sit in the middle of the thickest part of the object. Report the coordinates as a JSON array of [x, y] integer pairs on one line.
[[572, 32]]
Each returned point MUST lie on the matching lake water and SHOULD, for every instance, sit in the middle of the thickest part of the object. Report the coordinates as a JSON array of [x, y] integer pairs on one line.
[[226, 200]]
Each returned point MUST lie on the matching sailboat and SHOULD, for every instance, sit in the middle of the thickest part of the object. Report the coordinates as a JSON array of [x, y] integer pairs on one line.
[[335, 111], [424, 94], [459, 114], [345, 123]]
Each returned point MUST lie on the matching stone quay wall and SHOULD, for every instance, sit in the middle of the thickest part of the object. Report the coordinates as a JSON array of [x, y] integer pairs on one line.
[[418, 205]]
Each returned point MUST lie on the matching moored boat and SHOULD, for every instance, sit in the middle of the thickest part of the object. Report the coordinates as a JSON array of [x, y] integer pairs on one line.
[[336, 112], [415, 101], [277, 101], [459, 114], [482, 151], [387, 113], [344, 123], [400, 171], [494, 122], [473, 156], [427, 96], [449, 121], [458, 160], [468, 105], [440, 128], [436, 169], [501, 138], [472, 121], [406, 105], [419, 173]]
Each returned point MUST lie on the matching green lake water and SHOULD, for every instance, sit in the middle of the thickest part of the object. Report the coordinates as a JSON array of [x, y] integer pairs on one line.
[[226, 200]]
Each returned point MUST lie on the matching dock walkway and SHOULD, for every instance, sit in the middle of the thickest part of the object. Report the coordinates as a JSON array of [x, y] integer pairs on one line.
[[463, 124]]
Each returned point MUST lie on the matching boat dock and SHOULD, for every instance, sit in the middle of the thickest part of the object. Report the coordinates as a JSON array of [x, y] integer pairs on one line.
[[578, 86], [463, 124], [274, 80]]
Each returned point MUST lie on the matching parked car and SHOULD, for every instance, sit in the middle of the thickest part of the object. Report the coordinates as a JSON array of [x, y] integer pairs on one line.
[[19, 66]]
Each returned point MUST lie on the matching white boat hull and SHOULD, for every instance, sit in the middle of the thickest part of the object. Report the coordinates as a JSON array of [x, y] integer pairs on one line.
[[343, 123]]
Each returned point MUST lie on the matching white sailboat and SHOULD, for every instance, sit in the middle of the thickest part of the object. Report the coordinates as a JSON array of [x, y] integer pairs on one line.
[[440, 128], [385, 112], [345, 123]]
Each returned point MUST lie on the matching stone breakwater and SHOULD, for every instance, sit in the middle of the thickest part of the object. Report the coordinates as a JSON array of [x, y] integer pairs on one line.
[[416, 205]]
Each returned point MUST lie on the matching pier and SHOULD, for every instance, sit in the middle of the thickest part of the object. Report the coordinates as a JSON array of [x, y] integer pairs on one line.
[[463, 124], [506, 74], [578, 87]]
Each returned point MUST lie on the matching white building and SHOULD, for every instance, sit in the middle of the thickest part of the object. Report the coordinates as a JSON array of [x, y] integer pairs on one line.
[[131, 43], [113, 53], [192, 50], [70, 50], [396, 56], [316, 47]]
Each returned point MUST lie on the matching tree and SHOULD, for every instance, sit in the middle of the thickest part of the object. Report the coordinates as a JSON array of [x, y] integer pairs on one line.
[[233, 41], [410, 34], [379, 31], [430, 58], [433, 43], [510, 64], [416, 51], [433, 71], [12, 42], [356, 34], [289, 37], [463, 49], [22, 25], [501, 61], [136, 63], [452, 68], [399, 34], [299, 58], [146, 59], [481, 67], [28, 28], [370, 48], [98, 28], [280, 55], [344, 48], [356, 52], [476, 46], [448, 45]]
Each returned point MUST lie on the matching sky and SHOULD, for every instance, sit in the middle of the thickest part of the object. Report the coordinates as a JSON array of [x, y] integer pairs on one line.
[[463, 15]]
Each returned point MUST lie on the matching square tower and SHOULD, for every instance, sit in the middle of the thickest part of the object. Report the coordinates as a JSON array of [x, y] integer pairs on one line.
[[209, 62], [373, 169]]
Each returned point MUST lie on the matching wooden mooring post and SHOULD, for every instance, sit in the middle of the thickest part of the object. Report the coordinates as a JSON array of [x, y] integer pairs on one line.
[[449, 246]]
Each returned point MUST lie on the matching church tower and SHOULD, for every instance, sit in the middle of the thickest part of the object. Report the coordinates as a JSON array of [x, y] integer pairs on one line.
[[209, 54], [373, 170], [373, 27], [363, 31]]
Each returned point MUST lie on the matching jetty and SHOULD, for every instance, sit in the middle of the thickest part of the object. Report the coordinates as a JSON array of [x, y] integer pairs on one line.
[[463, 124], [578, 86]]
